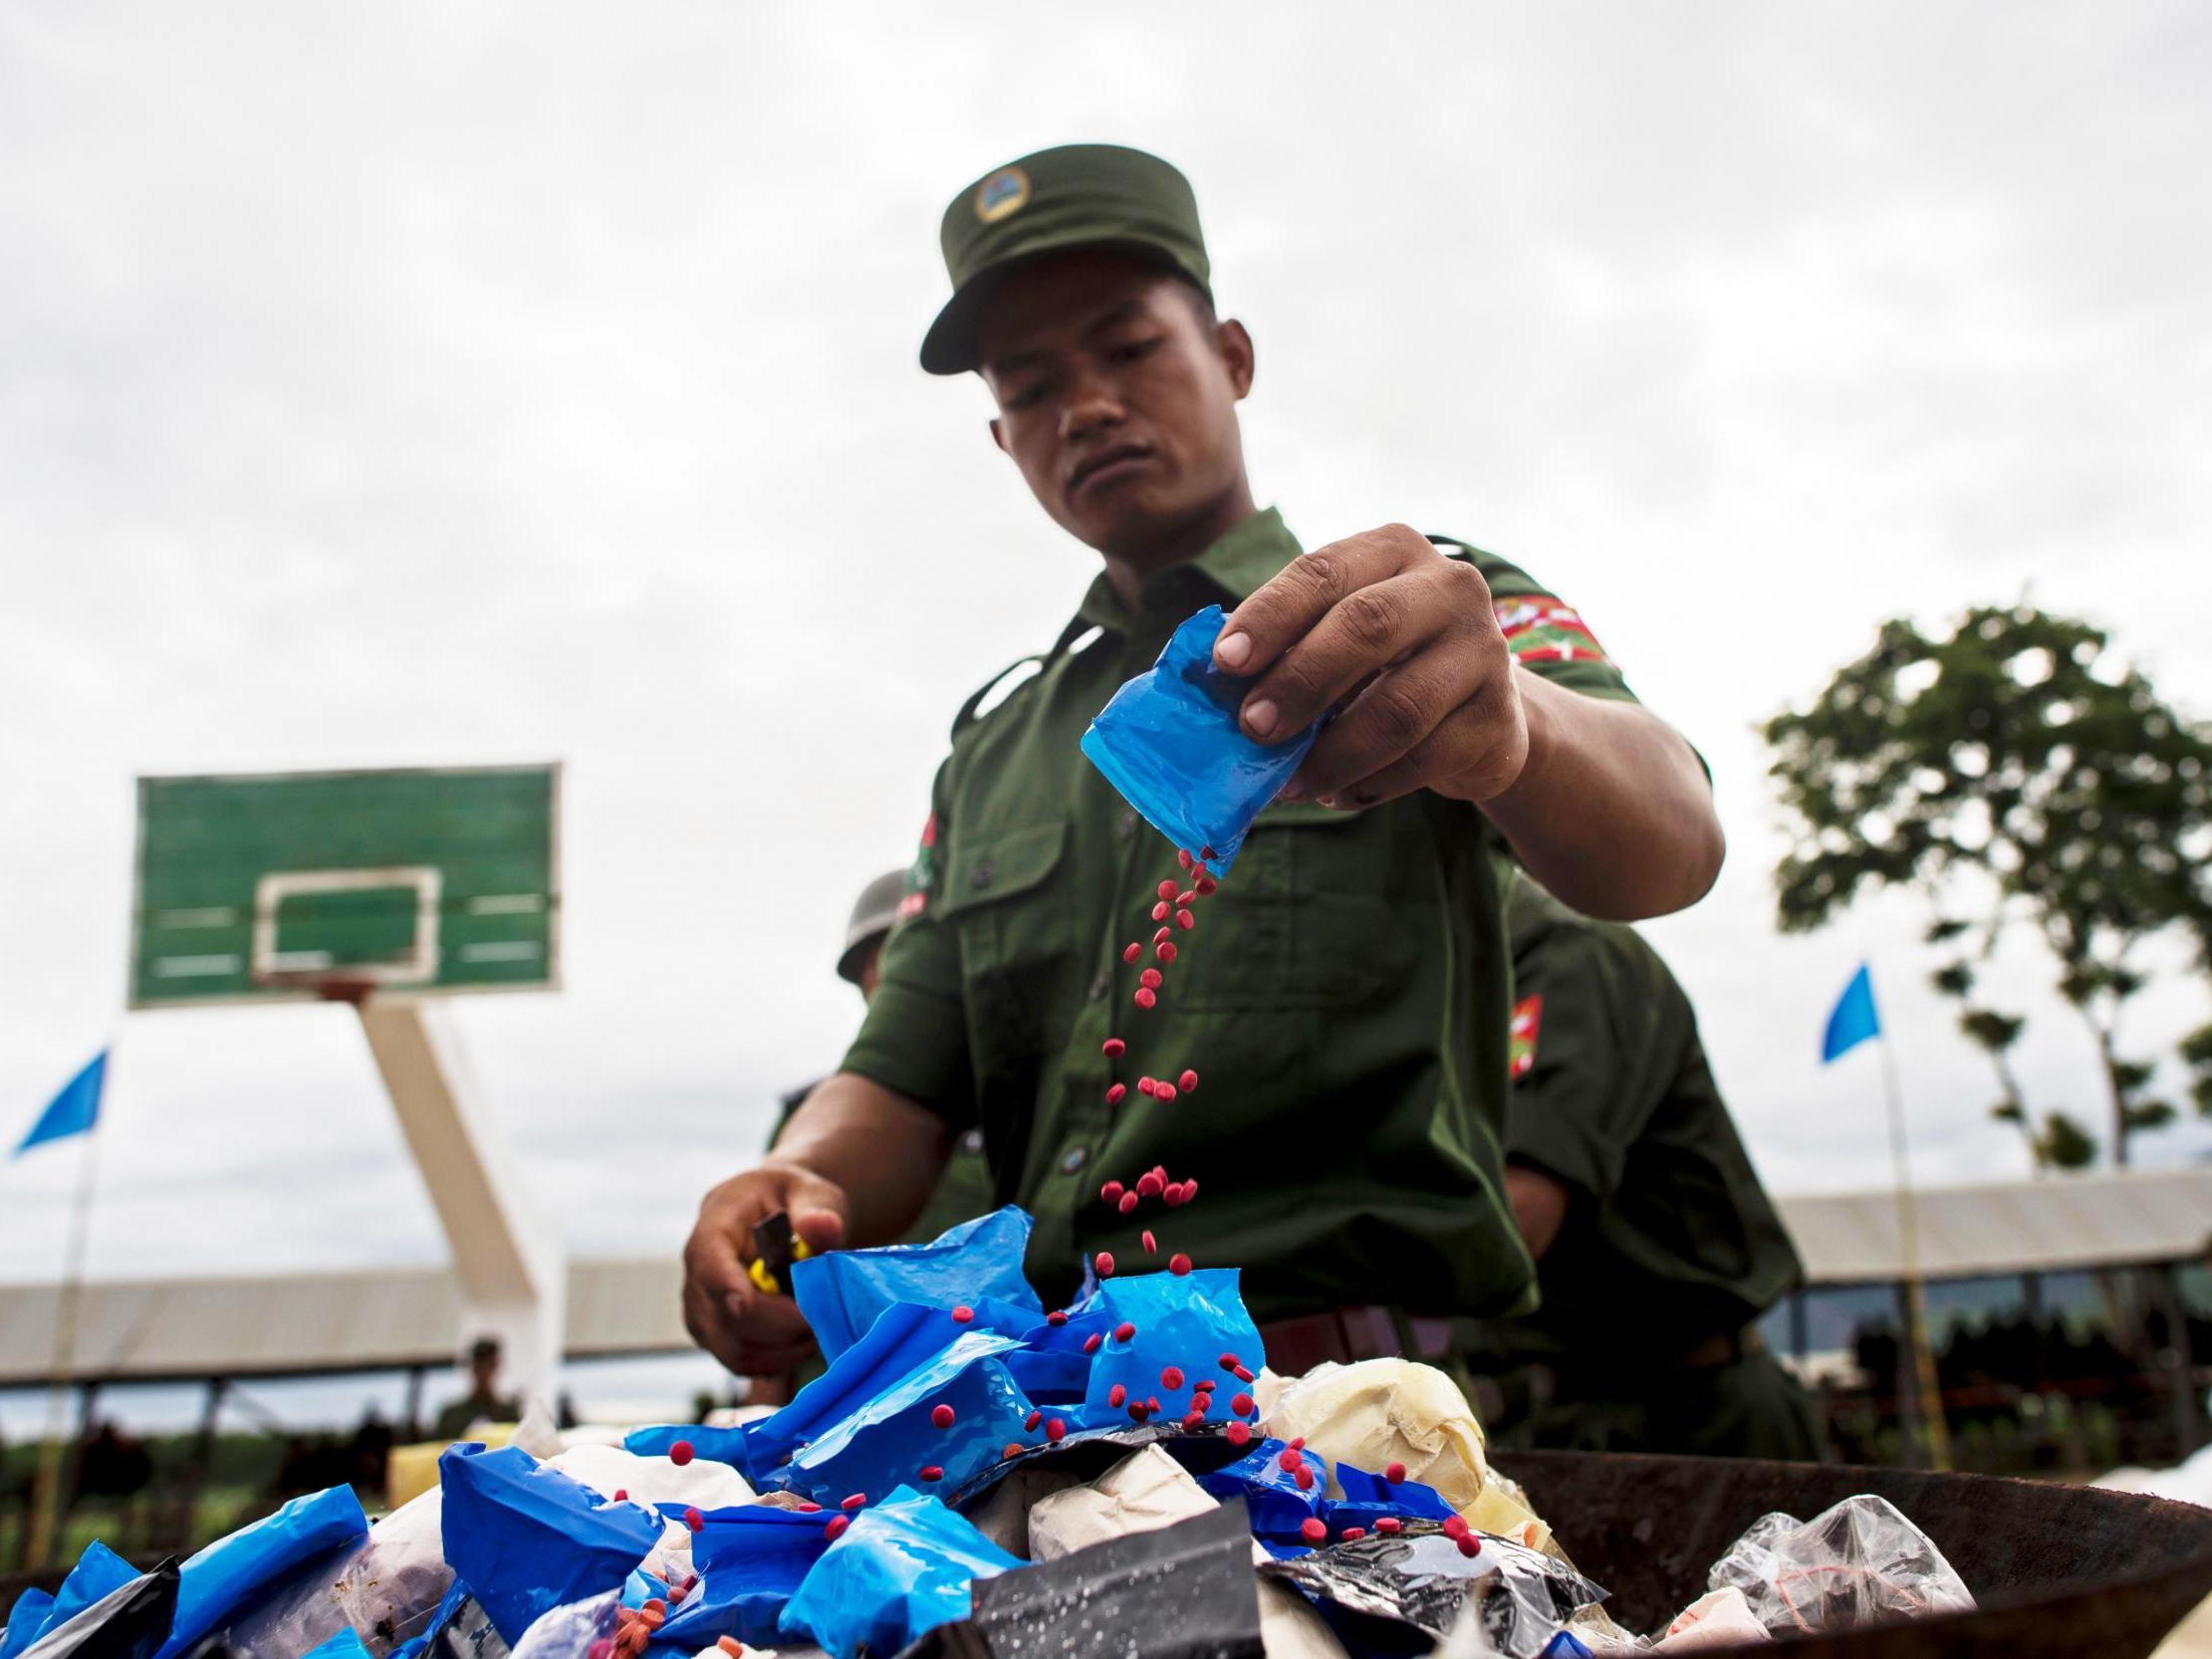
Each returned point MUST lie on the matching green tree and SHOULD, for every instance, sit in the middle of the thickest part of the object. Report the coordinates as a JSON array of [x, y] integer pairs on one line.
[[2057, 1141], [2014, 766]]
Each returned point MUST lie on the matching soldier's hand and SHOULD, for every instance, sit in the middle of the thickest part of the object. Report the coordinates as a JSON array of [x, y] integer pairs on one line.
[[749, 1330], [1407, 643]]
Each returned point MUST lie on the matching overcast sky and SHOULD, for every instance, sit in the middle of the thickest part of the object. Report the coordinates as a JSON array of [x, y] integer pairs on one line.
[[431, 384]]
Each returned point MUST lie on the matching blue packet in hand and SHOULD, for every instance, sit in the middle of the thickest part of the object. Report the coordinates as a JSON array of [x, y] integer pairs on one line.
[[843, 1291], [1169, 742]]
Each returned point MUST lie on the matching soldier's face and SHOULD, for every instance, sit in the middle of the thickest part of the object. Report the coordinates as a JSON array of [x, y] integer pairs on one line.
[[1116, 398]]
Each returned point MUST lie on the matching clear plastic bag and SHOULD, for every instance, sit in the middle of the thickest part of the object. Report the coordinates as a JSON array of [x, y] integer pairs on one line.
[[568, 1631], [1860, 1562]]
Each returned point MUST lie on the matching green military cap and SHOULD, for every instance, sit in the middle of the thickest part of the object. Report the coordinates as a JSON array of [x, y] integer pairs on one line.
[[1074, 196], [874, 912]]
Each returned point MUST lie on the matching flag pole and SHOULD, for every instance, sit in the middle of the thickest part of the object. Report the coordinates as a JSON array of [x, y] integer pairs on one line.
[[45, 1509], [1930, 1395]]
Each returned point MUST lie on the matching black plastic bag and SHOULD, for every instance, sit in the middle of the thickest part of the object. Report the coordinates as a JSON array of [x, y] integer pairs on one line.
[[1419, 1578], [127, 1623]]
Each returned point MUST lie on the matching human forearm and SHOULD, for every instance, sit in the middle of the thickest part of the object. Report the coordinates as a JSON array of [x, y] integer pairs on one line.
[[1611, 810], [883, 1150]]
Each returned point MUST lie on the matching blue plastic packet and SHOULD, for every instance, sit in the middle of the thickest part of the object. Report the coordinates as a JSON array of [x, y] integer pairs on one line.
[[526, 1537], [1270, 1492], [750, 1559], [904, 1566], [345, 1644], [26, 1620], [98, 1572], [1169, 742], [715, 1445], [889, 1441], [1186, 1321], [904, 1337], [641, 1588], [1566, 1645], [222, 1579], [1367, 1498], [841, 1292]]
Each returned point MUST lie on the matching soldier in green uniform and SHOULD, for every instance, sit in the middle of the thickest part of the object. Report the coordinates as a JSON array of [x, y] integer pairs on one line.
[[1344, 995], [1656, 1248]]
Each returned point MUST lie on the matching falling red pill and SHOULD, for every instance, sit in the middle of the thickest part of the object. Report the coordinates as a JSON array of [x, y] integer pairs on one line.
[[1090, 1343], [1298, 1443], [1139, 1411], [1128, 1203], [1167, 889], [1184, 919], [1163, 935], [962, 1314], [1394, 1473], [694, 1519], [1352, 1533], [1151, 978], [1160, 910], [1150, 1184], [835, 1528], [1124, 1331], [1147, 1087], [1203, 886], [1304, 1477], [1190, 1189], [1115, 1094], [1033, 1419], [1165, 950], [1056, 1430], [1183, 860], [1112, 1192], [1145, 996], [1240, 1434], [1179, 1263], [1114, 1048], [1056, 1317], [1115, 1396], [1389, 1524], [1187, 1082], [1288, 1461], [1312, 1529], [1241, 1404], [941, 1415], [1469, 1545], [1171, 1378], [931, 1471], [1229, 1363], [680, 1452], [1194, 1418], [621, 1495], [1241, 1374], [1150, 1248], [1185, 898], [1166, 1092], [1132, 951], [1103, 1263], [854, 1502]]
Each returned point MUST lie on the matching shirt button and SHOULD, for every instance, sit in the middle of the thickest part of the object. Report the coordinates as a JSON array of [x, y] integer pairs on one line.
[[1101, 986], [1074, 1159], [982, 875], [1125, 826]]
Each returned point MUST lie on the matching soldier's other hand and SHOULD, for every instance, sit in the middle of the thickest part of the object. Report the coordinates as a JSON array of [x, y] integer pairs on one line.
[[749, 1330], [1407, 642]]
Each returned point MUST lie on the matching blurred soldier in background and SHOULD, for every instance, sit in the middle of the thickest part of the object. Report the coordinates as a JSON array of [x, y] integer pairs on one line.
[[482, 1403], [1656, 1248]]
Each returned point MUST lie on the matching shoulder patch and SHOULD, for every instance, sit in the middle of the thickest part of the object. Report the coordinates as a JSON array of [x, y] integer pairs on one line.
[[1540, 627], [1528, 1018]]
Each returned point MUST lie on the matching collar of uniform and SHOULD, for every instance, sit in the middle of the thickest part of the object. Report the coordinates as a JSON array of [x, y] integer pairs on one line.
[[1229, 571]]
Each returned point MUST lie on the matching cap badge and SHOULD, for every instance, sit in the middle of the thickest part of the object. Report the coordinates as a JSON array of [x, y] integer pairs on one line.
[[1003, 193]]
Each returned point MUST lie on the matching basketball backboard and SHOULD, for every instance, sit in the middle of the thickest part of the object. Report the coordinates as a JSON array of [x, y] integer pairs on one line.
[[278, 885]]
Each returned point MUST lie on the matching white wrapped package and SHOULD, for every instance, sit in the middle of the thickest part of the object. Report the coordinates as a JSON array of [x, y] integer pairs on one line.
[[1714, 1619], [1857, 1563], [607, 1470], [1144, 1492], [1384, 1411]]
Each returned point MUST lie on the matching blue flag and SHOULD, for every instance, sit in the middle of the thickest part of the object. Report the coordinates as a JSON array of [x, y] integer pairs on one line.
[[1853, 1020], [73, 1111]]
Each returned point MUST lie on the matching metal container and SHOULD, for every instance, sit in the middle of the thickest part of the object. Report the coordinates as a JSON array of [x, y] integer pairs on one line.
[[2057, 1569]]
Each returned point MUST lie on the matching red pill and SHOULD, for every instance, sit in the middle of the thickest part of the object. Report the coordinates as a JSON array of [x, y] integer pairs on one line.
[[1183, 860], [1289, 1461], [1150, 1248], [694, 1519], [1184, 919], [1147, 1087], [962, 1314], [1296, 1443], [1240, 1434], [1205, 855], [1129, 1203], [1115, 1094], [1312, 1529], [1204, 886], [1167, 889], [1229, 1363], [1453, 1526], [1056, 1431], [1151, 978], [1351, 1533], [1171, 1378], [1242, 1375], [1090, 1343], [1132, 951], [854, 1502], [1179, 1263], [1160, 910], [1103, 1263], [1114, 1048], [1241, 1404], [1139, 1411], [1389, 1524], [1115, 1396], [941, 1415], [1194, 1419], [680, 1452], [1165, 950], [1166, 1092], [1056, 1316], [1187, 1082], [1162, 936], [1304, 1477], [1112, 1192], [808, 1507], [1190, 1189], [1185, 898], [1145, 996], [603, 1648], [1033, 1419], [1394, 1473], [1012, 1448], [1124, 1331], [1150, 1184], [1172, 1195], [933, 1472], [835, 1529], [621, 1495], [1469, 1545]]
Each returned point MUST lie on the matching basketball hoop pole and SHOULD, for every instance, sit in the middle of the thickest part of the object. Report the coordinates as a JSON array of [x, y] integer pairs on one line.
[[512, 1271]]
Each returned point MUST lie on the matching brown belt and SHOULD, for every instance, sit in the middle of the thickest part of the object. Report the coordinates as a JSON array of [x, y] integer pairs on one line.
[[1348, 1334]]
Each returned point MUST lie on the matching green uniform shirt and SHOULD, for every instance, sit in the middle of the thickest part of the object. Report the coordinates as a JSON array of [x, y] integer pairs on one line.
[[1343, 996], [1669, 1238]]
